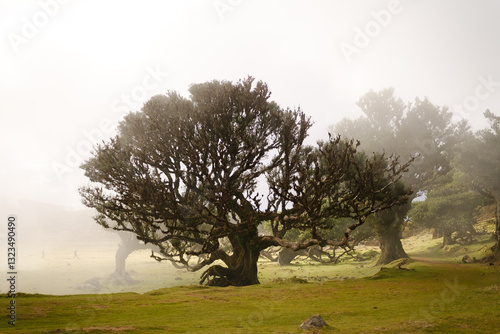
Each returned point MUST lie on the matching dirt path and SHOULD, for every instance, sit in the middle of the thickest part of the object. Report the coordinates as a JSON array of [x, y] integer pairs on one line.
[[430, 260]]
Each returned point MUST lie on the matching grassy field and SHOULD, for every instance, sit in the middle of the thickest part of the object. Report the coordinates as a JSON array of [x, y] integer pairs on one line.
[[454, 298], [438, 294]]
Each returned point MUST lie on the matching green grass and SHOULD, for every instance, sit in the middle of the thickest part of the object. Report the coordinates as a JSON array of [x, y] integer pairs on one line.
[[453, 298], [439, 294], [423, 246]]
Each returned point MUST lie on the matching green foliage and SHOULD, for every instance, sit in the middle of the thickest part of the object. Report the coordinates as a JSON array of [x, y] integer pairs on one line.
[[450, 205], [480, 156], [333, 229], [419, 129]]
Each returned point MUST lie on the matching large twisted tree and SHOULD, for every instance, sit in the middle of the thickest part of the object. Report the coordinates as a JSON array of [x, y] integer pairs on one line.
[[189, 176]]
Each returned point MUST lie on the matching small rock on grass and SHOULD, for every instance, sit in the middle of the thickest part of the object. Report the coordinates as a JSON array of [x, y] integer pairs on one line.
[[316, 321]]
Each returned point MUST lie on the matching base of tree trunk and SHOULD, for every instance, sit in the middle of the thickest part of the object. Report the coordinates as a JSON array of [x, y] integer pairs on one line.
[[222, 277], [122, 277], [391, 249], [286, 256], [241, 267]]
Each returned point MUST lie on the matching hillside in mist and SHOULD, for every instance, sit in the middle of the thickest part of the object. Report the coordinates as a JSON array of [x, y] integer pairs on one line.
[[48, 227]]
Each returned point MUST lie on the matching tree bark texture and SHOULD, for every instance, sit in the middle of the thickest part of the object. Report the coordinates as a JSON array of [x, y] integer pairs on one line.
[[286, 256], [388, 228], [391, 247], [241, 265]]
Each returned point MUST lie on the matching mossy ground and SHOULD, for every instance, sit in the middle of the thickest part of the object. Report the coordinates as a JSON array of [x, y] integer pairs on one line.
[[456, 298]]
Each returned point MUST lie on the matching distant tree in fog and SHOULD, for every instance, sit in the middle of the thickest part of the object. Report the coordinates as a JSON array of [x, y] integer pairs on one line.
[[449, 207], [419, 129], [480, 157]]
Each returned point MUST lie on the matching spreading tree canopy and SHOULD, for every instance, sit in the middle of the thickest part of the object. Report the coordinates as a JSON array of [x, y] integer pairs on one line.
[[196, 177], [419, 129]]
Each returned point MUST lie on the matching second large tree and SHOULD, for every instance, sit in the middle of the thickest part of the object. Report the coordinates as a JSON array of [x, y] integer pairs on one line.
[[419, 129]]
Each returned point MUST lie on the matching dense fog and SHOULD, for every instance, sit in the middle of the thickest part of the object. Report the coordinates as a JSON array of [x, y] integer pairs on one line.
[[72, 71]]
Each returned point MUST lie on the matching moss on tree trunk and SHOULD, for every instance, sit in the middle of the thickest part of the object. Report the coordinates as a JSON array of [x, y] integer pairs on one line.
[[388, 227], [389, 236]]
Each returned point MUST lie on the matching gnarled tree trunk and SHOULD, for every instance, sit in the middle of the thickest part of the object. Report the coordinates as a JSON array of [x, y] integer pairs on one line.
[[120, 274], [390, 246], [128, 244], [388, 227], [286, 256], [241, 265]]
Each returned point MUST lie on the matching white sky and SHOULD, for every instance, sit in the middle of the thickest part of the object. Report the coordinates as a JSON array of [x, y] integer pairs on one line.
[[66, 70]]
